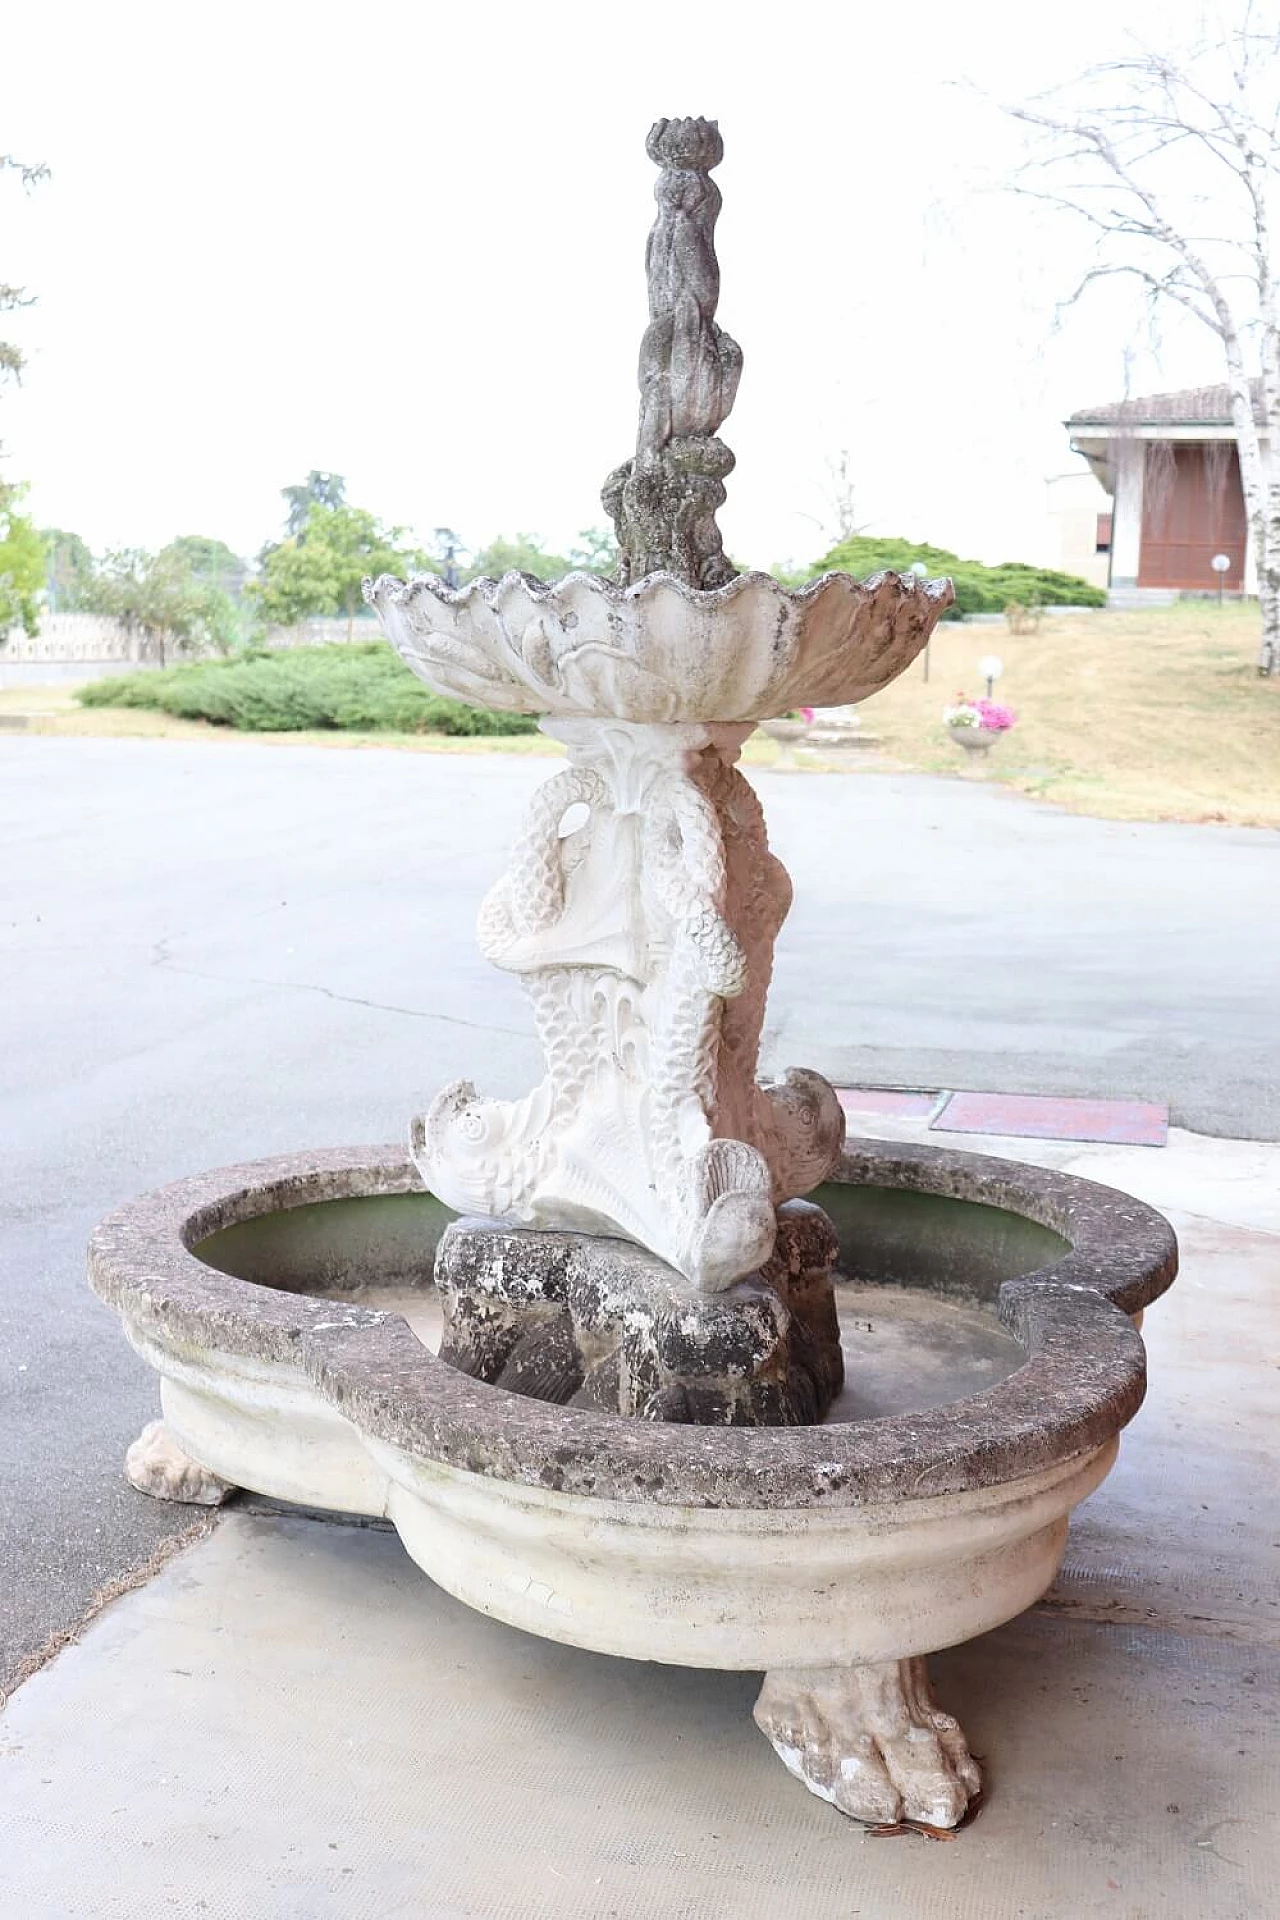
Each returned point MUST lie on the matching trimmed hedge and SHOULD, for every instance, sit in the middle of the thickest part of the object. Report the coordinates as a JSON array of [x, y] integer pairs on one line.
[[979, 588], [364, 687]]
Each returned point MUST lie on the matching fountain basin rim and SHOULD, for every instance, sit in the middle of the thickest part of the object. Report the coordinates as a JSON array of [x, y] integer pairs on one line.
[[488, 587], [1083, 1378]]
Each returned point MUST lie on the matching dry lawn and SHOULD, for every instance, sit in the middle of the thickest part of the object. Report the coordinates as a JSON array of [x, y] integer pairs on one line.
[[1130, 716], [1156, 715]]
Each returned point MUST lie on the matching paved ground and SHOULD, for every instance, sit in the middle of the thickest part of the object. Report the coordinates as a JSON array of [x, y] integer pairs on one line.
[[292, 1723], [212, 952]]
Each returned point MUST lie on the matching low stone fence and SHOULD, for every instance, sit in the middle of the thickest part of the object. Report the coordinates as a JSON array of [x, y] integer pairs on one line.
[[73, 637], [323, 633], [80, 646]]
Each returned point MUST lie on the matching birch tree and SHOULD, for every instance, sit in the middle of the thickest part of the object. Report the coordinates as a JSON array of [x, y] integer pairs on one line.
[[1173, 163]]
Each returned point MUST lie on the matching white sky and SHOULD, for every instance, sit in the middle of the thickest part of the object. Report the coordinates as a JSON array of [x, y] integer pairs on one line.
[[405, 242]]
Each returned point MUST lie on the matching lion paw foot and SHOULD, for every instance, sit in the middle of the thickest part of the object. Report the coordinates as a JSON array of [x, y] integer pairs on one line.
[[872, 1740], [155, 1464]]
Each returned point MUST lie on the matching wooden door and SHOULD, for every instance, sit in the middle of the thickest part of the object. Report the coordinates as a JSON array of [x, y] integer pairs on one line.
[[1192, 508]]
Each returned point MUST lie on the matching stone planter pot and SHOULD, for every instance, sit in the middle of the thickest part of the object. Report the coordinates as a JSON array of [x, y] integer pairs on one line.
[[289, 1309], [975, 739]]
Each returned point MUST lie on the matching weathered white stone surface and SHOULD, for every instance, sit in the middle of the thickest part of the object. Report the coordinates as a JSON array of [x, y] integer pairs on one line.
[[742, 1589], [644, 939], [746, 1589], [660, 650], [644, 935], [698, 1546]]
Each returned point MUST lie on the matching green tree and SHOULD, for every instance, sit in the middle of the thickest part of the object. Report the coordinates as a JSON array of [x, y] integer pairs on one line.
[[12, 358], [161, 596], [68, 567], [317, 490], [521, 553], [22, 564], [595, 551], [979, 588], [209, 559], [321, 569]]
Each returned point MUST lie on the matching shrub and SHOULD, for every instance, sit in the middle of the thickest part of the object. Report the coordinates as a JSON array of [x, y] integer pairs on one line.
[[979, 588], [360, 688]]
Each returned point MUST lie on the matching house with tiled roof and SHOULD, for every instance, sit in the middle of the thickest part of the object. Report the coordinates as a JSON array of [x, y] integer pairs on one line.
[[1170, 465]]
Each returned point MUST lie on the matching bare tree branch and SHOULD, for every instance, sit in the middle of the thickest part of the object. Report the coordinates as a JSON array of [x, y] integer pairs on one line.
[[31, 176], [1172, 161]]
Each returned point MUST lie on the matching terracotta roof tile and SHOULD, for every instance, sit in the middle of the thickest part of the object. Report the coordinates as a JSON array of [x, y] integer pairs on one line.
[[1191, 407]]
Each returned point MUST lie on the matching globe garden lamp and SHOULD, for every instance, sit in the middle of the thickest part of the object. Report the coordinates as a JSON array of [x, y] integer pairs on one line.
[[991, 666]]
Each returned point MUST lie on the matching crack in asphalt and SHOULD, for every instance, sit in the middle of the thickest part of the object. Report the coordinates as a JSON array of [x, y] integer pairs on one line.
[[160, 959]]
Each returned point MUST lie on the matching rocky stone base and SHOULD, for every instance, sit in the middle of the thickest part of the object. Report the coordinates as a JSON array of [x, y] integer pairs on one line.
[[589, 1322]]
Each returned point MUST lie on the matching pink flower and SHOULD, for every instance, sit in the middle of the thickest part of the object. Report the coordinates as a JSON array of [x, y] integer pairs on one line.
[[994, 717], [806, 714]]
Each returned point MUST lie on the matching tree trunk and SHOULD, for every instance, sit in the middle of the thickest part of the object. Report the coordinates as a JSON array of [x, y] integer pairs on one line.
[[1268, 556], [1262, 502], [1269, 599]]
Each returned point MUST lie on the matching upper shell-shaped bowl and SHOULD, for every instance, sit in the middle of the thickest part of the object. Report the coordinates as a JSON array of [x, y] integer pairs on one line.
[[659, 650]]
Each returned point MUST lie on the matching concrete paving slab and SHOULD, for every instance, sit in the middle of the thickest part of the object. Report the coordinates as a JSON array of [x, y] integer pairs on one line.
[[1235, 1182], [1039, 1116], [898, 1102], [292, 1724]]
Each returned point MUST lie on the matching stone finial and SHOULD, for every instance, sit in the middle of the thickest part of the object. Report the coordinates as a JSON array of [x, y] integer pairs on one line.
[[689, 146], [663, 503]]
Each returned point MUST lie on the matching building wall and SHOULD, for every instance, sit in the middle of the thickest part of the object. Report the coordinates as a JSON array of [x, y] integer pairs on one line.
[[1128, 466], [1074, 504]]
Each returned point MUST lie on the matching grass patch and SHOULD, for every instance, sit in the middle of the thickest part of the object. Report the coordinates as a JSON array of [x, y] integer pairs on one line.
[[363, 688], [1151, 715]]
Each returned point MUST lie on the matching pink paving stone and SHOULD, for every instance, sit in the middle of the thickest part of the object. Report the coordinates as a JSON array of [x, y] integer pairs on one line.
[[1034, 1116], [888, 1100]]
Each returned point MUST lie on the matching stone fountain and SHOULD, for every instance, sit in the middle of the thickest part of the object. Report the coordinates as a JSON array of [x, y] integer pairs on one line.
[[592, 1350]]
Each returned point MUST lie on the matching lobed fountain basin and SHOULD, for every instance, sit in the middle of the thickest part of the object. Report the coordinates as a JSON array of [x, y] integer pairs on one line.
[[658, 652], [987, 1313]]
